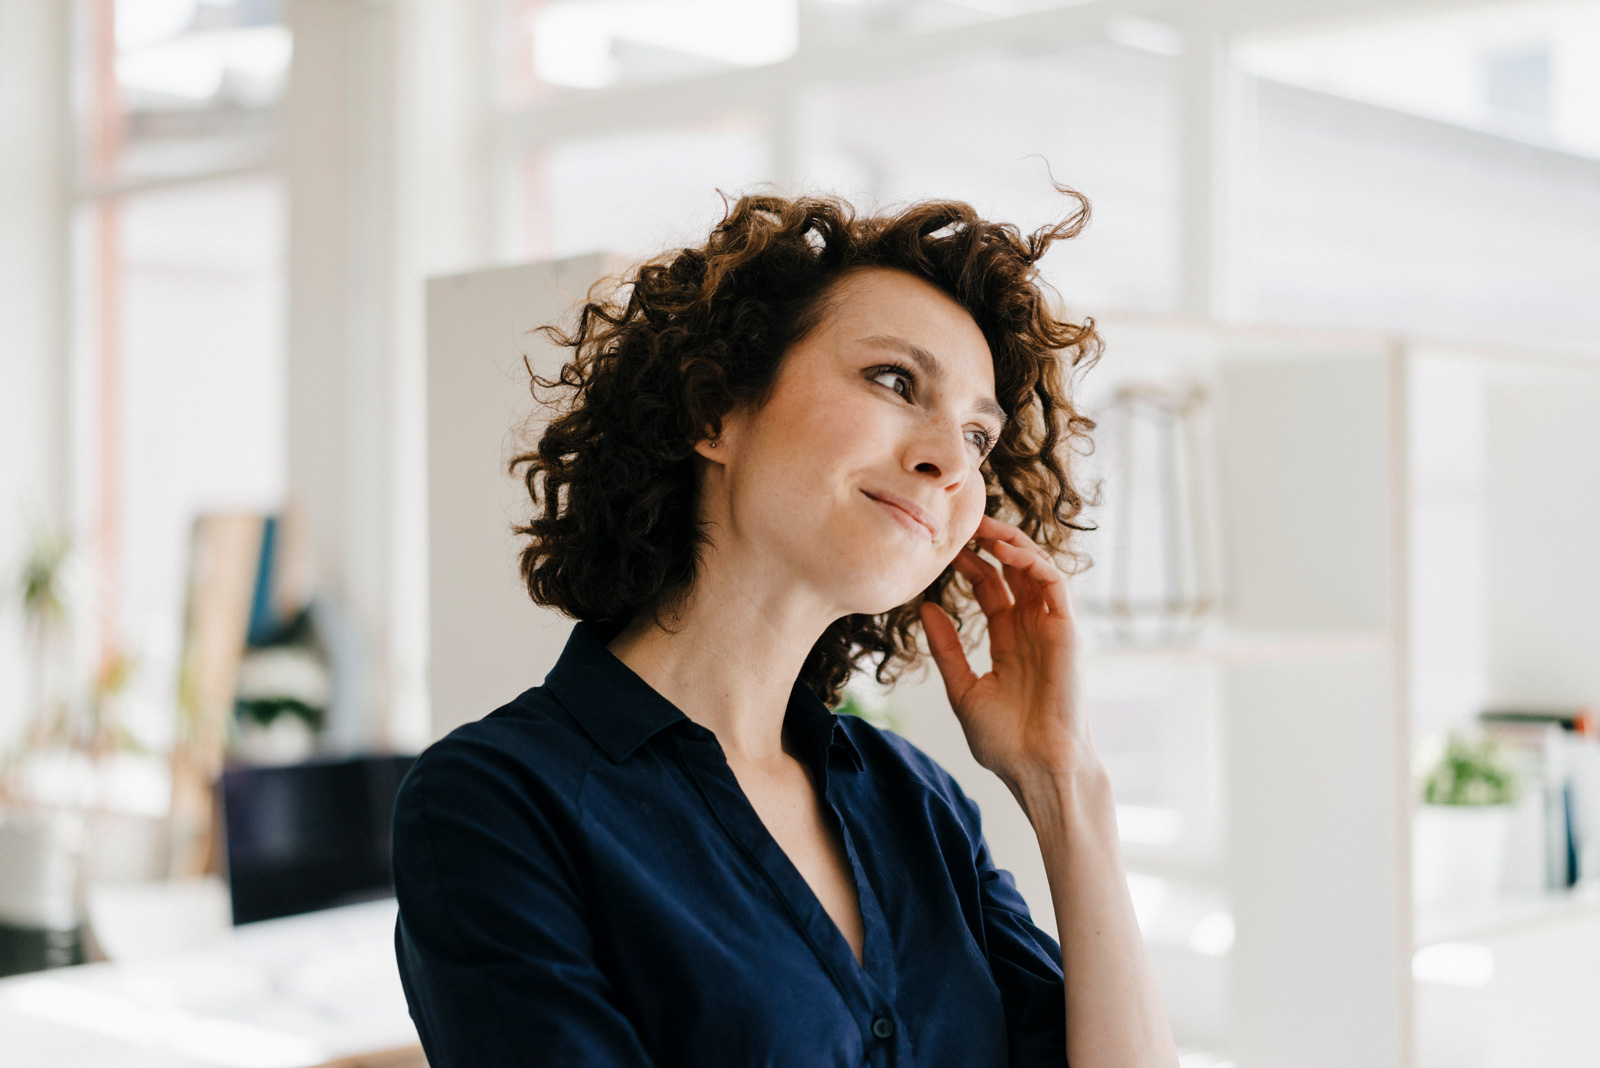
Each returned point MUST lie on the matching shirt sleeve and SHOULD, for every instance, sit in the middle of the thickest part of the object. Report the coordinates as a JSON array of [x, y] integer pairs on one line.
[[493, 941], [1026, 963]]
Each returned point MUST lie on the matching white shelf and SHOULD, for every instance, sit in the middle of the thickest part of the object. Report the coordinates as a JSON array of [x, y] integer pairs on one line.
[[1507, 915], [1225, 647]]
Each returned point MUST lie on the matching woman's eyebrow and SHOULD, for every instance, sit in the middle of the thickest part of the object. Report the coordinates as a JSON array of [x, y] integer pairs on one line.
[[930, 365]]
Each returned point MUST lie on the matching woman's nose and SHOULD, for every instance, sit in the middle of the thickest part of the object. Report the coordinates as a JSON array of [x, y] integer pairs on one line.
[[939, 453]]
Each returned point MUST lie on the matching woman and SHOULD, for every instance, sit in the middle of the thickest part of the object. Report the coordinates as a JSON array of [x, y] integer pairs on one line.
[[773, 456]]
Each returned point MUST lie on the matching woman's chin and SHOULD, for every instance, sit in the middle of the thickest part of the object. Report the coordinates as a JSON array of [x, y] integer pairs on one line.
[[876, 598], [880, 574]]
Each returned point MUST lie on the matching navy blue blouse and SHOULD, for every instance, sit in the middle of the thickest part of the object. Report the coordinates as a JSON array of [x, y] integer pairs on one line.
[[582, 882]]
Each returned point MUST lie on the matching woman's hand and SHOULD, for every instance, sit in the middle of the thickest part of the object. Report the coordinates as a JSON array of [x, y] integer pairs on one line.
[[1025, 722], [1023, 719]]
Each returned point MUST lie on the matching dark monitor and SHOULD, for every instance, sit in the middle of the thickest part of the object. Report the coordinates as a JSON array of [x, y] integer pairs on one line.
[[309, 836]]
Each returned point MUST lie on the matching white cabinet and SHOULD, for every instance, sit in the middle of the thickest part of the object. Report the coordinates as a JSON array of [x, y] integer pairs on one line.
[[1409, 537]]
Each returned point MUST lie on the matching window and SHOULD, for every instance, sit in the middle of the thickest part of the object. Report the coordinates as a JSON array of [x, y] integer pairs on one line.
[[1517, 83], [178, 384]]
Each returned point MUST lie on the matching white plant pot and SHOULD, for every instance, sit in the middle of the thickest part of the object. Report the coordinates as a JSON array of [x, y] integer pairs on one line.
[[286, 740], [1457, 853], [125, 847], [140, 920], [39, 858]]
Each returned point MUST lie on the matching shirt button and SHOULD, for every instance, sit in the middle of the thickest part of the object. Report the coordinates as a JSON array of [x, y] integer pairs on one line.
[[883, 1027]]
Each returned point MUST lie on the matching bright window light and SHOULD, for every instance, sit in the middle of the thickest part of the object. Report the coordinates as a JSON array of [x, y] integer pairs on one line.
[[579, 44], [1212, 935], [1149, 824], [1517, 82], [1520, 69], [1149, 894], [1202, 1059], [1454, 964], [254, 59], [1147, 35], [141, 23]]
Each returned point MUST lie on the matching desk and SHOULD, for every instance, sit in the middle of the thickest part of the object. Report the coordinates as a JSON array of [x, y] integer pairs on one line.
[[297, 992]]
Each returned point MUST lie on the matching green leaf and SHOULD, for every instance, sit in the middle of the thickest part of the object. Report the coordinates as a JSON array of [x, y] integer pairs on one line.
[[1470, 773]]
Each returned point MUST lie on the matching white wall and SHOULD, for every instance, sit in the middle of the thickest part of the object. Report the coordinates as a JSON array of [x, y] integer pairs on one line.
[[1370, 219], [390, 167], [33, 301]]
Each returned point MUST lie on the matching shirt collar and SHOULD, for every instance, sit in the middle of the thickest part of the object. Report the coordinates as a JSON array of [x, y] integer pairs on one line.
[[620, 711]]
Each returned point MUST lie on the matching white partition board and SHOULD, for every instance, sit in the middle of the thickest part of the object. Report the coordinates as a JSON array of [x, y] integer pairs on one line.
[[488, 642], [1305, 445], [1316, 748], [1542, 501], [1321, 957]]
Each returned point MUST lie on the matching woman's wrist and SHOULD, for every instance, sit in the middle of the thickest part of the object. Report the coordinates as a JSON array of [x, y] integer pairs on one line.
[[1063, 791]]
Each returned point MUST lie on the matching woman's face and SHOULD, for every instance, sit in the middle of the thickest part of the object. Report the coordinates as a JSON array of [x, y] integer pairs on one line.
[[859, 477]]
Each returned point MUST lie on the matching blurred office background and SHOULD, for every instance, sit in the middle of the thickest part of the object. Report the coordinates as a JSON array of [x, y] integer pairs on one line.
[[267, 269]]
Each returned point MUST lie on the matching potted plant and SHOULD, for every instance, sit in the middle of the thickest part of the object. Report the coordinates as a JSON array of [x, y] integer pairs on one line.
[[40, 846], [1460, 830], [282, 698]]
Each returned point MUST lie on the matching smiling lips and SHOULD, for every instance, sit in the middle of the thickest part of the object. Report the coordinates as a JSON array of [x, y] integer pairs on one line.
[[907, 511]]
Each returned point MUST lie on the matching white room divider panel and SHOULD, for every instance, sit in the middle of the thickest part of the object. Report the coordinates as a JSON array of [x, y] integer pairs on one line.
[[1316, 749], [488, 642]]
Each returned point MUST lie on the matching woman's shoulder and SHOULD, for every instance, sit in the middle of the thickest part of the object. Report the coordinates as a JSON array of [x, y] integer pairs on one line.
[[529, 747], [485, 812]]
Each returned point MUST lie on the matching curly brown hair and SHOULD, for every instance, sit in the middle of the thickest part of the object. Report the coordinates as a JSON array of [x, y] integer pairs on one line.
[[663, 352]]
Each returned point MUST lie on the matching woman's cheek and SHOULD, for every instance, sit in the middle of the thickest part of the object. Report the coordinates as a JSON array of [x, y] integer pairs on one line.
[[968, 512]]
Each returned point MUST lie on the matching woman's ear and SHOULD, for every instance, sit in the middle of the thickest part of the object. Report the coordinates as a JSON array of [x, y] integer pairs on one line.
[[715, 444]]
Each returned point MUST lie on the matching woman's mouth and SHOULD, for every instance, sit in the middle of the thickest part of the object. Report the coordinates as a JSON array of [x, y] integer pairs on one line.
[[913, 516]]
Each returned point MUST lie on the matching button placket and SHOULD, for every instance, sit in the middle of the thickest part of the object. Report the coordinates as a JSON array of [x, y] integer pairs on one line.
[[707, 767]]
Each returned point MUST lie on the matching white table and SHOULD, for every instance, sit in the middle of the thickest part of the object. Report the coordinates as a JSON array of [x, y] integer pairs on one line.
[[317, 989]]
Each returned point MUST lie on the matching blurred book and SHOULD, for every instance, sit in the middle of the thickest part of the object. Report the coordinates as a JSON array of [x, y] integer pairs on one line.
[[1557, 752], [224, 568], [247, 587]]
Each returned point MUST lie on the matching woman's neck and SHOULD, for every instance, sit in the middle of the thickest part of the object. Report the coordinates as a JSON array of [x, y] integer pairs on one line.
[[730, 660]]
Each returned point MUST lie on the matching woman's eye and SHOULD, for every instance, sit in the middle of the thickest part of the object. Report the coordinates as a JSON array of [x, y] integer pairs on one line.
[[898, 381], [980, 440]]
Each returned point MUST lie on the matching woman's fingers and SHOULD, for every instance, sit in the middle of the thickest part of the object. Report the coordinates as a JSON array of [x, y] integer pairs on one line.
[[992, 529], [945, 645], [987, 585], [1014, 564], [993, 532], [1049, 584], [1021, 555], [1028, 579]]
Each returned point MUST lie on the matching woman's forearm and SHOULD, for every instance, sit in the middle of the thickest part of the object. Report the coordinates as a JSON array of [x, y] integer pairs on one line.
[[1114, 1012]]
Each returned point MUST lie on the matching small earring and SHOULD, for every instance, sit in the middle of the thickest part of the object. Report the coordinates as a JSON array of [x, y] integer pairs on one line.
[[713, 444]]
